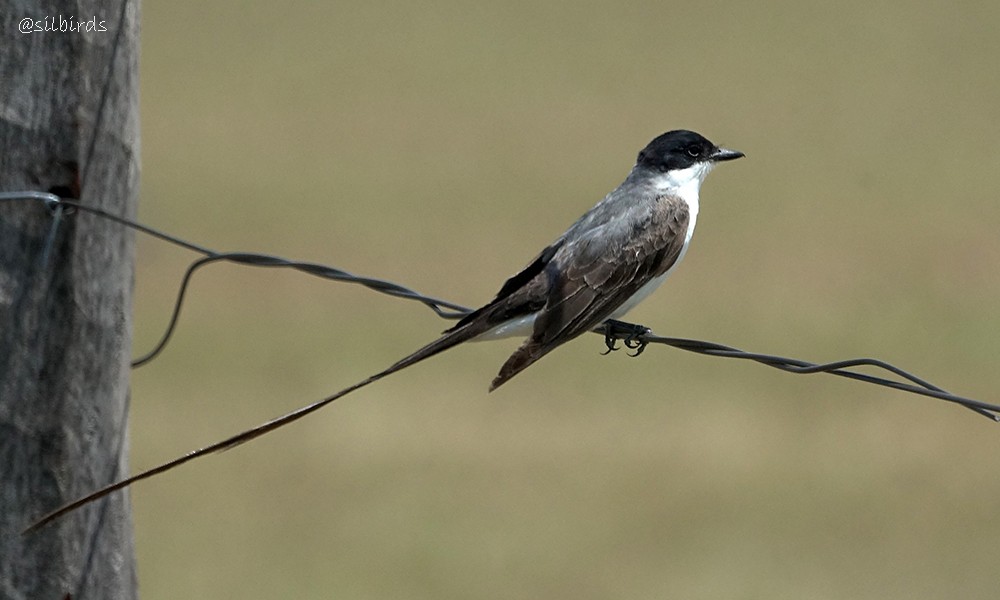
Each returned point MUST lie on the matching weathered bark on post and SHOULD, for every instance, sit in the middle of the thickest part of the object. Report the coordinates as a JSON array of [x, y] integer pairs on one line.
[[68, 124]]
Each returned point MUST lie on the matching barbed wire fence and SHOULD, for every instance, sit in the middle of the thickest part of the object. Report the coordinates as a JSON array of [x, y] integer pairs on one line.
[[62, 208]]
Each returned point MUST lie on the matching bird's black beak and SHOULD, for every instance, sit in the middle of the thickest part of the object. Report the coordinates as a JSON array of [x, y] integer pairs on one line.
[[721, 154]]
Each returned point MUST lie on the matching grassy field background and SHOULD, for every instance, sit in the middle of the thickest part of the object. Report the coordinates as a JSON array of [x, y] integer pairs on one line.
[[440, 145]]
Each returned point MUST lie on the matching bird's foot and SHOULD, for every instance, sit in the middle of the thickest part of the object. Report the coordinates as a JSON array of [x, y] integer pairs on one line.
[[629, 333]]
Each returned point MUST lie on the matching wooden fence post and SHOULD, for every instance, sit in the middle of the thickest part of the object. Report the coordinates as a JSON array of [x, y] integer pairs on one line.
[[69, 124]]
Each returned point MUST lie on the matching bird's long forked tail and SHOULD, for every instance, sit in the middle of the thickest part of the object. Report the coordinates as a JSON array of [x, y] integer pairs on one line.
[[449, 340]]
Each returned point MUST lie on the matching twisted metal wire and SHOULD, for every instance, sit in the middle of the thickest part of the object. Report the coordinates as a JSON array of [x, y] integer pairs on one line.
[[450, 310], [633, 336]]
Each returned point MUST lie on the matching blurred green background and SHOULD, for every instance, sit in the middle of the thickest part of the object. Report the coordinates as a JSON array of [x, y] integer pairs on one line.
[[441, 144]]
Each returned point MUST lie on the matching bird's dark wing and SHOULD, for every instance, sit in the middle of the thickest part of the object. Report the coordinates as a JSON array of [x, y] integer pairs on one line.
[[589, 278], [522, 294]]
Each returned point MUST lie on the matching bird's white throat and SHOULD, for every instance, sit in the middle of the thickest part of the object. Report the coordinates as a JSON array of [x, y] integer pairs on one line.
[[684, 183]]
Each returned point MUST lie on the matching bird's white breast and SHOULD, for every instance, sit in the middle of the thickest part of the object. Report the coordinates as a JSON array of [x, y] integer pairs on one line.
[[690, 195]]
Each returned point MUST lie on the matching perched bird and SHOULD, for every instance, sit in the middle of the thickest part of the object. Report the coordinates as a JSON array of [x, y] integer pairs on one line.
[[607, 262]]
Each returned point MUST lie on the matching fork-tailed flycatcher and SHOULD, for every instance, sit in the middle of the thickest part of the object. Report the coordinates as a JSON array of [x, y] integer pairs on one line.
[[600, 268]]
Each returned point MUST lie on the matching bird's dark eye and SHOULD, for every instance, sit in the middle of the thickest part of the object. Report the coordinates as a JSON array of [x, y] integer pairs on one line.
[[693, 151]]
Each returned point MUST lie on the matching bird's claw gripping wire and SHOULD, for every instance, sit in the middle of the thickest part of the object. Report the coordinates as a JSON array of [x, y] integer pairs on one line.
[[629, 333]]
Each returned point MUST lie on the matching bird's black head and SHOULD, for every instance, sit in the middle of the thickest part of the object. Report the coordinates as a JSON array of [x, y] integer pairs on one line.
[[680, 149]]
